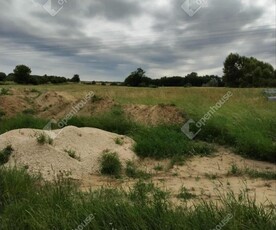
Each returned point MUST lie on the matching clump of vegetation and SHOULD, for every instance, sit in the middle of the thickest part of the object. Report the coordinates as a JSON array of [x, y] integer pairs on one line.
[[234, 170], [4, 91], [158, 167], [133, 172], [96, 98], [185, 194], [119, 141], [166, 141], [43, 138], [72, 154], [252, 173], [110, 164], [211, 176], [5, 154]]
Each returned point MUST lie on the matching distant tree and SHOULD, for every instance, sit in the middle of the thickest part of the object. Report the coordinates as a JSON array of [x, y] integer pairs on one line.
[[136, 78], [22, 74], [2, 76], [93, 83], [10, 77], [75, 78]]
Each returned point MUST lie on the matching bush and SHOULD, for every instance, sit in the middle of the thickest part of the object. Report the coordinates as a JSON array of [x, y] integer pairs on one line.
[[110, 164], [5, 154]]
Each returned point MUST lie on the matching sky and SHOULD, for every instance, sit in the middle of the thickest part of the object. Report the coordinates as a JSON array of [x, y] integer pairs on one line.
[[105, 40]]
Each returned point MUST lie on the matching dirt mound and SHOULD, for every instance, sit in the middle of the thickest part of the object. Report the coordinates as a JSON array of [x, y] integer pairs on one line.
[[153, 115], [53, 104], [11, 105], [50, 160], [97, 105]]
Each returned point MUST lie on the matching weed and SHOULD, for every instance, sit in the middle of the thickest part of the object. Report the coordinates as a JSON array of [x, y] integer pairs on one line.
[[234, 170], [43, 138], [72, 154], [185, 194]]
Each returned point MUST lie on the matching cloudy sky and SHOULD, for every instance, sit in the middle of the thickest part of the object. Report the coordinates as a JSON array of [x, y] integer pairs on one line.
[[107, 39]]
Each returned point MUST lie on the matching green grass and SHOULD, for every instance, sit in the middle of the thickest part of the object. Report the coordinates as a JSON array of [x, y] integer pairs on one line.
[[246, 122], [27, 203], [252, 173], [21, 121], [166, 141]]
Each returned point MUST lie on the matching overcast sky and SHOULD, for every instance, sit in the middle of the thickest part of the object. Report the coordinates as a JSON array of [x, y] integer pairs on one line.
[[107, 39]]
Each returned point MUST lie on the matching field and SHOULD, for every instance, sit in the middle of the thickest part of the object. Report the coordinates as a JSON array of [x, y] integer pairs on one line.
[[225, 174]]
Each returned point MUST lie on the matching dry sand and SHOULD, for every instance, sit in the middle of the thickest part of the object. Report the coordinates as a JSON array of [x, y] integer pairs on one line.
[[52, 160]]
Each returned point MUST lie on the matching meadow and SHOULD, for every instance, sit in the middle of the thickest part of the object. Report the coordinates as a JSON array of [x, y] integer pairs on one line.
[[245, 123]]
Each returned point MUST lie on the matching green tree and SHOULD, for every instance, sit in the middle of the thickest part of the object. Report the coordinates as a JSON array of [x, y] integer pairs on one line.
[[22, 74], [233, 70], [2, 76], [241, 71], [75, 78], [136, 78]]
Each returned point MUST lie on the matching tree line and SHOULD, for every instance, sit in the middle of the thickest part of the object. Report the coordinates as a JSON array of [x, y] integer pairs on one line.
[[22, 75], [239, 71]]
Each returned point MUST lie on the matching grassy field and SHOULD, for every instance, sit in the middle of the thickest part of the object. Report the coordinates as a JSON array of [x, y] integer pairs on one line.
[[27, 204], [246, 122]]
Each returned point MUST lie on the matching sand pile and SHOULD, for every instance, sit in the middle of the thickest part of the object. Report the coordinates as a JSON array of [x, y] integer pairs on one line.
[[53, 159]]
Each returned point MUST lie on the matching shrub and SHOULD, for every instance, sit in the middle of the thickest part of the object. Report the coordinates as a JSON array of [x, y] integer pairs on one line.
[[110, 164], [5, 154]]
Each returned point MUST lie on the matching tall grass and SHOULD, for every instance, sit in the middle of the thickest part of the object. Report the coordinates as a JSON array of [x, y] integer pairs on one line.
[[27, 203], [246, 122]]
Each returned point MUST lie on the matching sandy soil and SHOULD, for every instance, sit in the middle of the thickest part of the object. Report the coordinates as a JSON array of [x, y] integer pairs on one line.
[[204, 177], [52, 160]]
